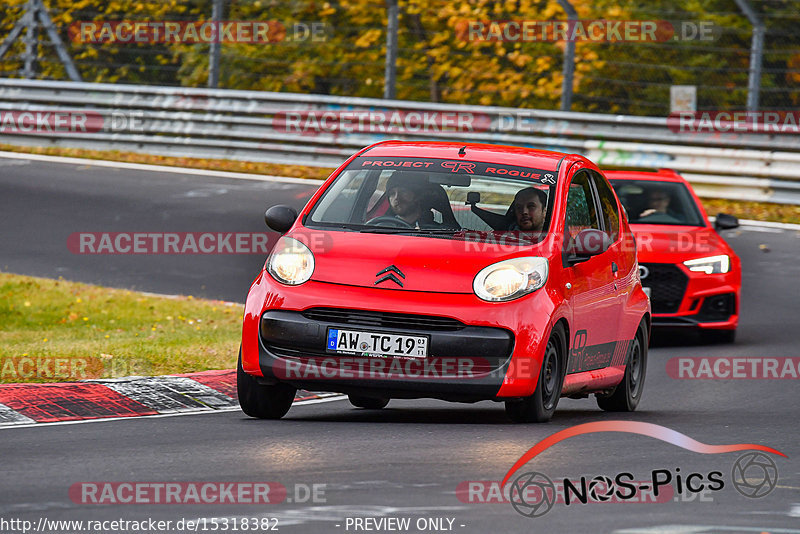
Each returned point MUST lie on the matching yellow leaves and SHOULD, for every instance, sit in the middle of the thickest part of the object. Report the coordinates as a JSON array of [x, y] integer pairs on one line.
[[793, 72], [519, 59], [327, 10], [369, 38]]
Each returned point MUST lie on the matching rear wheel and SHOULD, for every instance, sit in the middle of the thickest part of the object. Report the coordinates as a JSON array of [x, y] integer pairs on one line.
[[626, 396], [370, 403], [539, 407], [259, 400]]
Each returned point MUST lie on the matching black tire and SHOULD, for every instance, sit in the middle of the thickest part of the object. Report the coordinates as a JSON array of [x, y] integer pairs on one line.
[[626, 396], [259, 400], [370, 403], [718, 336], [539, 407]]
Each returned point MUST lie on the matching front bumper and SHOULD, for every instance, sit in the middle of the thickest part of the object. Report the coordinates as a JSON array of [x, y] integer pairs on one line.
[[465, 362], [477, 350], [685, 299]]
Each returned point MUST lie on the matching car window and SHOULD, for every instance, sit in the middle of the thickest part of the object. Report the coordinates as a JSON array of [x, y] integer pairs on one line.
[[658, 202], [608, 206], [581, 209], [438, 196]]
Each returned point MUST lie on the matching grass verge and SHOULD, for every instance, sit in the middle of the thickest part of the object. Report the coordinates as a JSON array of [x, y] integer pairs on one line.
[[759, 211], [54, 331]]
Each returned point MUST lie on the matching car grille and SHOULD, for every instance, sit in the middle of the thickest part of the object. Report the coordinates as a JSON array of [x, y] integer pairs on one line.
[[373, 318], [667, 285]]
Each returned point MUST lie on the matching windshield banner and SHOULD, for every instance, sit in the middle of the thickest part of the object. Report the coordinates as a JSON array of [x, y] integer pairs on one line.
[[455, 166]]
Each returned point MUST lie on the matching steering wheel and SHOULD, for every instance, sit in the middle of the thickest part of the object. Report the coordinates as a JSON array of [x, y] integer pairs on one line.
[[659, 218], [390, 221]]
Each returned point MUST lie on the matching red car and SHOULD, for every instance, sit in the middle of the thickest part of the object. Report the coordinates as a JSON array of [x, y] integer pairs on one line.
[[450, 271], [692, 275]]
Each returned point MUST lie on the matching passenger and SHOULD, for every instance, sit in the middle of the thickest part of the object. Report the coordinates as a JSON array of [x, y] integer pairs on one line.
[[529, 207]]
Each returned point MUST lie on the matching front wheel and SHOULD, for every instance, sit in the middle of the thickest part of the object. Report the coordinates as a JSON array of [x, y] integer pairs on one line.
[[369, 403], [259, 400], [626, 396], [539, 407]]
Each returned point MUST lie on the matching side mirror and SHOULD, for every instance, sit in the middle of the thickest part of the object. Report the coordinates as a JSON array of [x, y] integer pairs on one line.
[[280, 218], [589, 242], [725, 222], [473, 197]]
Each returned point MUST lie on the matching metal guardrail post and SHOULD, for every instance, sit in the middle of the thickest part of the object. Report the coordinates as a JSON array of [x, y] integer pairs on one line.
[[215, 48], [31, 41], [390, 75], [568, 70], [756, 53], [270, 126], [36, 10]]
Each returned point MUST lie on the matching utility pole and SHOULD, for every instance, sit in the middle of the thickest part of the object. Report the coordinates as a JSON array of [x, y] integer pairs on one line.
[[756, 54], [390, 74], [215, 49], [568, 70], [35, 15]]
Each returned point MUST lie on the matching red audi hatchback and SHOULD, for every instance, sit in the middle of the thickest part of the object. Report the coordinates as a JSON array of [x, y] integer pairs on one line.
[[450, 271], [693, 277]]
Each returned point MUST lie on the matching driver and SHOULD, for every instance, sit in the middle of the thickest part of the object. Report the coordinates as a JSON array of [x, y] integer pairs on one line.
[[406, 192], [658, 203]]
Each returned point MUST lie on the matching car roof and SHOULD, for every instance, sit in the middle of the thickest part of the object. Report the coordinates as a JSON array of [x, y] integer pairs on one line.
[[661, 175], [500, 154]]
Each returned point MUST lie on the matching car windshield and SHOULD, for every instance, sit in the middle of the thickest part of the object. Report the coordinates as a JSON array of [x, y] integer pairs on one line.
[[656, 202], [452, 199]]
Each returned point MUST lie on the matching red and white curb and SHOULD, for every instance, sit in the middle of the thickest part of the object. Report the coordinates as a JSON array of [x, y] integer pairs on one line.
[[203, 392]]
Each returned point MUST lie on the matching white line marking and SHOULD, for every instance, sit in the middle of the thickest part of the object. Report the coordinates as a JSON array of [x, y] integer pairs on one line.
[[753, 222], [697, 529], [158, 416], [85, 162], [257, 177], [762, 229]]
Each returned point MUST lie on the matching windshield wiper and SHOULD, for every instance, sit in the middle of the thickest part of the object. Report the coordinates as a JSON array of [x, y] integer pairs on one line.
[[390, 230], [386, 230], [439, 230]]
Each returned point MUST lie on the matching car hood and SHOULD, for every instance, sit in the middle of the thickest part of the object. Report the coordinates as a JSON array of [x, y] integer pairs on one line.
[[431, 264], [675, 244]]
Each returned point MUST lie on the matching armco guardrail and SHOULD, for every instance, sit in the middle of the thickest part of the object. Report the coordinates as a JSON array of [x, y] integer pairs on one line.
[[324, 130]]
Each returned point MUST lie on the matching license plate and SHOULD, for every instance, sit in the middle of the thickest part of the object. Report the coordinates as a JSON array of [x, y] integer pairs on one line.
[[375, 344], [646, 291]]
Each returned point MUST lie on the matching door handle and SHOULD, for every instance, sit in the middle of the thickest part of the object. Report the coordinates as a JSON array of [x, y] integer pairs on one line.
[[614, 268]]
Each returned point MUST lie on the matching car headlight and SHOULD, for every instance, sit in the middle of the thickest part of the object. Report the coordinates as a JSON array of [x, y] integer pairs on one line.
[[291, 262], [510, 279], [711, 265]]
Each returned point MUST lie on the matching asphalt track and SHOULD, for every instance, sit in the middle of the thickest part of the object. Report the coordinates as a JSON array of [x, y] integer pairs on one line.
[[408, 460]]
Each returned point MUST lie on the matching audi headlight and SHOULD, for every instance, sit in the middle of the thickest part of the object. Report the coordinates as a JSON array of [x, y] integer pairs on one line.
[[291, 262], [510, 279], [711, 265]]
